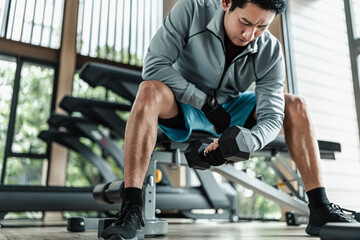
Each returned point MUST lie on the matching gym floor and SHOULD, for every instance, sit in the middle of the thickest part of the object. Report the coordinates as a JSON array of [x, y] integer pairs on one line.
[[177, 230]]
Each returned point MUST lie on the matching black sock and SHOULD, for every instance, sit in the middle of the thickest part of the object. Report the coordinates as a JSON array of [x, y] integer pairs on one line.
[[317, 197], [134, 195]]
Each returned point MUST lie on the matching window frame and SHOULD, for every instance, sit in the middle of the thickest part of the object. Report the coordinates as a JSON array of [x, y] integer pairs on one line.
[[354, 51], [288, 50]]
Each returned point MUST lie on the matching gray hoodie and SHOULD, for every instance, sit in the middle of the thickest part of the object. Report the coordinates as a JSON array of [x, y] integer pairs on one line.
[[188, 55]]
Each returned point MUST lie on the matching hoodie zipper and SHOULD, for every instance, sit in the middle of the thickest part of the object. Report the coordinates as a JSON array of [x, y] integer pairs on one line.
[[225, 68], [221, 79]]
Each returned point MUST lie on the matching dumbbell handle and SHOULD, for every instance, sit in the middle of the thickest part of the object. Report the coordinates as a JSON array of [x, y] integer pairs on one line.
[[214, 157]]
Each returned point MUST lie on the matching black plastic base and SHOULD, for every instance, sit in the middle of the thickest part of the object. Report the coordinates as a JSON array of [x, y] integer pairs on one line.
[[295, 219], [340, 231]]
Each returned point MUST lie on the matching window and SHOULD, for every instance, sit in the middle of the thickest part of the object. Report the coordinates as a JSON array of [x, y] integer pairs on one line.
[[356, 17], [324, 77], [38, 22], [80, 172], [26, 102], [26, 171], [118, 30], [323, 70], [7, 76], [33, 109]]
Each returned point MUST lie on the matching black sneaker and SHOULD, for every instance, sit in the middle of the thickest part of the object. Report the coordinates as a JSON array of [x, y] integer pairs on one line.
[[328, 213], [127, 226]]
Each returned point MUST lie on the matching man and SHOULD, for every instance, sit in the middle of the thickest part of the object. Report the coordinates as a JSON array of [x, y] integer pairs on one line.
[[197, 69]]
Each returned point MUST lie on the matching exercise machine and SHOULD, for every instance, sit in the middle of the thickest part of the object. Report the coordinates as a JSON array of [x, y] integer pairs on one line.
[[72, 141], [111, 78], [48, 198], [208, 196], [86, 128]]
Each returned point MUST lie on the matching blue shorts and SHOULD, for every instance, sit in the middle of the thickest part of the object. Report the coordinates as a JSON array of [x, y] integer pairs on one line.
[[238, 108]]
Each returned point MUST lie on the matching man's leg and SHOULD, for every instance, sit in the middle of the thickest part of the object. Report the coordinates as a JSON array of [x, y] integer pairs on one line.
[[303, 148], [153, 100], [301, 141]]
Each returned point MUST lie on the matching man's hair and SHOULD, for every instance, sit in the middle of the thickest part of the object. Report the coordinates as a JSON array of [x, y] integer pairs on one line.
[[278, 6]]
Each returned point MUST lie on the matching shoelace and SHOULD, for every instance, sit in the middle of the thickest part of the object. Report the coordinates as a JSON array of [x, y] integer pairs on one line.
[[124, 215], [340, 211]]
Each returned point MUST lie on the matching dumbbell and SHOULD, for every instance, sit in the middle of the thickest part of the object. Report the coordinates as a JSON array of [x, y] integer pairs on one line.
[[109, 193], [357, 216], [235, 145], [113, 192]]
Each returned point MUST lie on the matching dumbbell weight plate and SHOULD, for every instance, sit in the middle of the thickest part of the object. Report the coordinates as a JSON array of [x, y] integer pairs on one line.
[[193, 153], [114, 192], [99, 193], [236, 144], [357, 216]]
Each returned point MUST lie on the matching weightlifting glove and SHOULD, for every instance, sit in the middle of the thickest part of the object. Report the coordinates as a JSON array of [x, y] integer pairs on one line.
[[216, 114]]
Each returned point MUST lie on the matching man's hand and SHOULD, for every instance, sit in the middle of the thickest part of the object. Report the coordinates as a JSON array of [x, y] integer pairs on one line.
[[213, 154], [212, 146], [216, 114]]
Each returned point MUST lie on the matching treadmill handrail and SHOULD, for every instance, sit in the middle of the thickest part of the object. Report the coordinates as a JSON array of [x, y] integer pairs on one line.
[[72, 104]]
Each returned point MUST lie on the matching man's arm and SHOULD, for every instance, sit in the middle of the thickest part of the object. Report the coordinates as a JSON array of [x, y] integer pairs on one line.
[[165, 48], [270, 101]]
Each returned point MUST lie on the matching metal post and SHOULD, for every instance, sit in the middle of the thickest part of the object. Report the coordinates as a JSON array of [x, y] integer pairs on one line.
[[99, 30], [33, 21], [153, 226], [6, 16], [262, 188], [288, 49], [107, 31], [52, 22], [122, 33], [13, 20], [150, 190], [42, 23], [23, 20], [353, 55]]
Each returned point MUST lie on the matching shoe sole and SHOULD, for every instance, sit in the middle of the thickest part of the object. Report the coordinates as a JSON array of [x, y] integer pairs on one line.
[[312, 230], [138, 236]]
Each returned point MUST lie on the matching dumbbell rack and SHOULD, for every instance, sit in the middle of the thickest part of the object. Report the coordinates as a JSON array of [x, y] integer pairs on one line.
[[153, 225]]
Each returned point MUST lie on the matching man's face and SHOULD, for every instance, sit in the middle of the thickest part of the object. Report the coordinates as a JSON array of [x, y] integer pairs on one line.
[[243, 25]]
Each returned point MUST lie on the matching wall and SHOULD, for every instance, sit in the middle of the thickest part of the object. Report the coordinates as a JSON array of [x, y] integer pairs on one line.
[[323, 73]]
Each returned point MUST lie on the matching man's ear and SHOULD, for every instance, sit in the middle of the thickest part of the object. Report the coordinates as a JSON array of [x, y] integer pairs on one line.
[[226, 4]]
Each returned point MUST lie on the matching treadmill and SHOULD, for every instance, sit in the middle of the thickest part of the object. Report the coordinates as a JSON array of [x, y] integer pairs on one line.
[[86, 128], [72, 141]]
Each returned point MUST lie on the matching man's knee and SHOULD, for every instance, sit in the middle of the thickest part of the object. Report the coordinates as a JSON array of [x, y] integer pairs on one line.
[[156, 98], [152, 92], [295, 108]]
